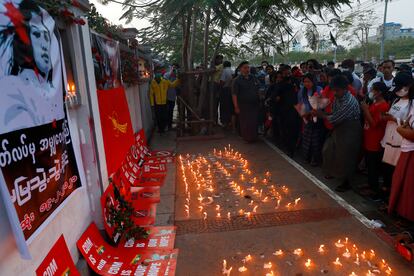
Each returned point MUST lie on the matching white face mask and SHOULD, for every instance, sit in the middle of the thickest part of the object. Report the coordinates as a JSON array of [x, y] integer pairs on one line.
[[371, 96], [402, 92]]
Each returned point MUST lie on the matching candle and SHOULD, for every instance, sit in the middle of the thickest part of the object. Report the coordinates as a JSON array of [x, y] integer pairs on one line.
[[218, 215], [298, 251], [321, 248], [372, 253], [270, 274], [339, 244], [352, 274], [217, 207], [267, 265], [297, 200], [363, 255], [278, 204], [357, 260], [248, 258], [308, 263], [242, 269], [278, 252], [337, 262], [255, 209], [228, 215], [225, 270], [388, 271], [369, 273], [347, 254], [205, 215]]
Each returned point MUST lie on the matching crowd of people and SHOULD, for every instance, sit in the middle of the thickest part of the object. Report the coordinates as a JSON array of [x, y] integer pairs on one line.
[[334, 118]]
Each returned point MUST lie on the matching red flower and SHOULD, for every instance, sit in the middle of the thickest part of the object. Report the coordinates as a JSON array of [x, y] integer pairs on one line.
[[66, 13], [79, 21]]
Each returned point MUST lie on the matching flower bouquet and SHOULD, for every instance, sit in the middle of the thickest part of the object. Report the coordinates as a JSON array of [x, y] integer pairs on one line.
[[318, 102]]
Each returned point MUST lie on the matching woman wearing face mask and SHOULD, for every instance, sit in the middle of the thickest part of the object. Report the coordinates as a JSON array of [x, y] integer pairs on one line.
[[395, 117], [374, 129], [313, 130], [402, 190]]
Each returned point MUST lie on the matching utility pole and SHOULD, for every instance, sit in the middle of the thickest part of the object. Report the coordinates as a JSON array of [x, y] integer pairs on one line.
[[383, 31]]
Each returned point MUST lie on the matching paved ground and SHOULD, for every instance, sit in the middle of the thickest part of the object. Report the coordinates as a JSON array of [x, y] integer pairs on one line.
[[205, 240]]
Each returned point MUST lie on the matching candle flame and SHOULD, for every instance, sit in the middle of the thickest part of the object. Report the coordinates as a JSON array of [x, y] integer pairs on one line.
[[298, 251], [278, 252], [267, 265], [321, 248], [337, 262], [297, 200], [308, 263]]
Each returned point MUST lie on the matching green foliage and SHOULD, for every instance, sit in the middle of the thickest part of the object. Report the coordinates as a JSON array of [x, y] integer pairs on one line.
[[61, 10], [401, 49], [120, 217], [101, 25]]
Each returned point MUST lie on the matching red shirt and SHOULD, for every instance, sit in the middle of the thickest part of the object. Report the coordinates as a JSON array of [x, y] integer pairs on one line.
[[327, 92], [373, 133]]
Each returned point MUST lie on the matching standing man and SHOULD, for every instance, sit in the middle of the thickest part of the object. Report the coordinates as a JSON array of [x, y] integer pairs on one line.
[[387, 78], [226, 101], [349, 65], [171, 93], [158, 98], [218, 62], [246, 102]]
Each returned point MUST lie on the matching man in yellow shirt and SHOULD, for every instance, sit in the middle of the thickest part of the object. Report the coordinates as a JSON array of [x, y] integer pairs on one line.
[[158, 98]]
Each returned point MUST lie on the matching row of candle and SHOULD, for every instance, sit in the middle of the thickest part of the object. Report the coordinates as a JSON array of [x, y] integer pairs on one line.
[[231, 166], [366, 256]]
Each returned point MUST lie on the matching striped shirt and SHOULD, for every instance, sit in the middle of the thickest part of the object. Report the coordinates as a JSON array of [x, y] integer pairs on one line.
[[345, 109]]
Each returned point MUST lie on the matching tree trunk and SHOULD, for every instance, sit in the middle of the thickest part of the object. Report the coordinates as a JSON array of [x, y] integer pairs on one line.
[[193, 38], [204, 82], [216, 49]]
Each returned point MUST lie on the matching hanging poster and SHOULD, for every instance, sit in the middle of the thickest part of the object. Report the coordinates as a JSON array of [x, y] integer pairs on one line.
[[107, 260], [37, 161], [58, 261], [107, 62], [116, 126]]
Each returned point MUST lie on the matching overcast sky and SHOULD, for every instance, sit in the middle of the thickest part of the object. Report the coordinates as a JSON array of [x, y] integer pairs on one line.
[[398, 11]]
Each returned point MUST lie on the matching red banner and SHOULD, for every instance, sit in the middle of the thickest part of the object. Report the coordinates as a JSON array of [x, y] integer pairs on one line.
[[58, 261], [116, 126], [107, 260], [146, 194], [159, 237]]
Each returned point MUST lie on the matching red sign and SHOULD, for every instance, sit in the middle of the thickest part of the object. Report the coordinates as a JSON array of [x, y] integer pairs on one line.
[[107, 260], [160, 237], [116, 126], [154, 168], [144, 213], [146, 194], [58, 261]]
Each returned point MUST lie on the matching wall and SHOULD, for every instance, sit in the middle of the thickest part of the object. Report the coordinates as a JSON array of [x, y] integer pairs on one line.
[[134, 104], [83, 206]]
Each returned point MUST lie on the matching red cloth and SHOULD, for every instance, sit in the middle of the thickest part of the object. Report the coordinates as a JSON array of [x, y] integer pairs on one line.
[[116, 125], [374, 133], [402, 189], [327, 92]]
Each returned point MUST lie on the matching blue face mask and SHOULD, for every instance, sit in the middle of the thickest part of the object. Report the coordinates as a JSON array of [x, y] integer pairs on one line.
[[380, 74]]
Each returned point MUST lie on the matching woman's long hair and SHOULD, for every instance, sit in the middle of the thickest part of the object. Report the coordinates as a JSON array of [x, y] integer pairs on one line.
[[16, 35], [312, 78]]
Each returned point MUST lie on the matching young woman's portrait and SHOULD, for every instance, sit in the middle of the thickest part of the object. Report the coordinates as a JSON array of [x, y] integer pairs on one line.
[[30, 67]]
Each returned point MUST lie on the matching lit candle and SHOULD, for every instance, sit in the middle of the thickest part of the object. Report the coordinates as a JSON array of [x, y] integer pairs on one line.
[[339, 244], [225, 270], [288, 205], [298, 251], [297, 201], [218, 215], [308, 263], [200, 208], [278, 204], [321, 248], [337, 262], [248, 258], [255, 208], [242, 269], [388, 271], [363, 255], [357, 260], [217, 207], [228, 215], [205, 215], [346, 240], [278, 252], [347, 254], [270, 274], [352, 274], [369, 273], [372, 253], [267, 265]]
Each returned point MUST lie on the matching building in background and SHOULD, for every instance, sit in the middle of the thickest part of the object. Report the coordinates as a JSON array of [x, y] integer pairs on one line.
[[393, 31]]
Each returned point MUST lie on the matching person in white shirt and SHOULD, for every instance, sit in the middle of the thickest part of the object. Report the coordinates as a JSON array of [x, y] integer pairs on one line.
[[388, 67], [396, 116], [402, 190], [226, 102]]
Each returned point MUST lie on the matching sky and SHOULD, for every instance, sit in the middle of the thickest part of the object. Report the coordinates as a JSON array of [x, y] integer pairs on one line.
[[400, 11]]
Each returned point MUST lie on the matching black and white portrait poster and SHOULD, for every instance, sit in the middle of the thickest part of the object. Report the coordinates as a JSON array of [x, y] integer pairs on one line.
[[38, 166]]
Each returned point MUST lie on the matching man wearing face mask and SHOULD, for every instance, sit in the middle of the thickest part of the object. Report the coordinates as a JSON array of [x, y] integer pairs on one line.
[[395, 117], [349, 65], [158, 98], [385, 77]]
